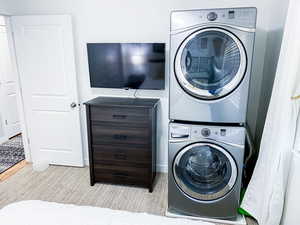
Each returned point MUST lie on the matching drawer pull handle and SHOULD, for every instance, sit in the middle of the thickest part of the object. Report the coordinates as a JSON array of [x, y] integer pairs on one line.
[[119, 116], [120, 137], [120, 175], [120, 156]]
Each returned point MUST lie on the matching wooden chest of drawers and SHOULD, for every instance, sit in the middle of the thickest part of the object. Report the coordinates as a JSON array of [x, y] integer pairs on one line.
[[122, 140]]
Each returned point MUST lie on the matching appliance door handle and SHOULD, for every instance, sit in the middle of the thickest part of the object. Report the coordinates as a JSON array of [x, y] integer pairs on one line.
[[179, 135]]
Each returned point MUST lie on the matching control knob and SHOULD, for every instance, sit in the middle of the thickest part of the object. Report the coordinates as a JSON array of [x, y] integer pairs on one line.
[[212, 16], [205, 132]]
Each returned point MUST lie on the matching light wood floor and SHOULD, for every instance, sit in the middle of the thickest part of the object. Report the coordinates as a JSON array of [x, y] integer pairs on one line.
[[71, 185]]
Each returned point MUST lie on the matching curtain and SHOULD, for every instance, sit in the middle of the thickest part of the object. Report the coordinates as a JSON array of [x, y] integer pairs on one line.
[[264, 198]]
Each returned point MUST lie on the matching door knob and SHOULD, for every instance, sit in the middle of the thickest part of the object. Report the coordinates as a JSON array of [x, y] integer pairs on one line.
[[73, 105]]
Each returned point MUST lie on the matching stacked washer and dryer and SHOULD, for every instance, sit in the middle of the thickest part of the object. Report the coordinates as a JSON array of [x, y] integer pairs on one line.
[[211, 54]]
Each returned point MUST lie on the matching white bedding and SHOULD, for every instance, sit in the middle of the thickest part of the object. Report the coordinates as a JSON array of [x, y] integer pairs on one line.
[[49, 213]]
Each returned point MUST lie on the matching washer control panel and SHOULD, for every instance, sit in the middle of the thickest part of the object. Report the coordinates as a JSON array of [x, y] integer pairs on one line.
[[188, 132], [208, 132]]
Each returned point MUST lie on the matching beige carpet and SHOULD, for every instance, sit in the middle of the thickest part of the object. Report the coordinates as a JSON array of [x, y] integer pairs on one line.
[[71, 185]]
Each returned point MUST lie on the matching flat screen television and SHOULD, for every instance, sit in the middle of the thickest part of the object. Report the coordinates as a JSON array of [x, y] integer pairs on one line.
[[127, 65]]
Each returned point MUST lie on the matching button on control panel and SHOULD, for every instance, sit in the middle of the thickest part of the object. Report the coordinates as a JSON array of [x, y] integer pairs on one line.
[[212, 16]]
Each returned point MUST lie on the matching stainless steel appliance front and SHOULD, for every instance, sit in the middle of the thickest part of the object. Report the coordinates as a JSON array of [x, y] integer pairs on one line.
[[205, 170], [211, 64]]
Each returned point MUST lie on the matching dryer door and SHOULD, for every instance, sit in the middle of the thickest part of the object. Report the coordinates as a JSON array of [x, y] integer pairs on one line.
[[204, 171], [210, 63]]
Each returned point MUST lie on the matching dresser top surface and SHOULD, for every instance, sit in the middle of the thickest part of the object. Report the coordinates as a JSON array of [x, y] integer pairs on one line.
[[136, 102]]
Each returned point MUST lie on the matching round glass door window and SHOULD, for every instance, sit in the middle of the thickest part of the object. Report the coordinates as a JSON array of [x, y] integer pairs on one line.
[[204, 171], [210, 63]]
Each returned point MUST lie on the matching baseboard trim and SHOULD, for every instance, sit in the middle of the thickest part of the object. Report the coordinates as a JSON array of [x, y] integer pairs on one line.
[[161, 168], [11, 171], [86, 162]]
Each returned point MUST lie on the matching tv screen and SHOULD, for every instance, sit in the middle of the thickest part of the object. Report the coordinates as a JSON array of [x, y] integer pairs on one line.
[[127, 65]]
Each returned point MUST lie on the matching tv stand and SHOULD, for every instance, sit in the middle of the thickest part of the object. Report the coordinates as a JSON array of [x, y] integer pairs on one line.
[[122, 140]]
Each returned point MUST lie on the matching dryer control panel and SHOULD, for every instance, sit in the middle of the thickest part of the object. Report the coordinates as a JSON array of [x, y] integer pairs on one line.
[[240, 17]]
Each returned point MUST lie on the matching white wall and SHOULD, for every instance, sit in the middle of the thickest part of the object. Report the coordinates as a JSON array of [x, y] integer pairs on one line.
[[2, 134], [275, 32], [114, 21], [3, 7], [137, 21]]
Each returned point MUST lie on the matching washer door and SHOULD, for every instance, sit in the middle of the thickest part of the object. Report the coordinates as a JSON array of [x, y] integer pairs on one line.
[[204, 171], [210, 63]]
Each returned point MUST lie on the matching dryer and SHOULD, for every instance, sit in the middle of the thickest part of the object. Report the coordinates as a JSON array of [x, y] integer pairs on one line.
[[205, 170], [211, 55]]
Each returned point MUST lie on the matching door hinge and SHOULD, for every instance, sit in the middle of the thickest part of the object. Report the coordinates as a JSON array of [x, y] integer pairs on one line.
[[6, 122], [28, 140]]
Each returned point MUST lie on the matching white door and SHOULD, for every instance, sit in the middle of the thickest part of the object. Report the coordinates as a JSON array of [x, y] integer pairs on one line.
[[8, 88], [45, 56]]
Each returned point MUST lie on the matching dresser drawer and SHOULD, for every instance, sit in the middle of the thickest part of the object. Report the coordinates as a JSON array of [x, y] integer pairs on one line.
[[121, 153], [119, 135], [120, 115], [106, 171]]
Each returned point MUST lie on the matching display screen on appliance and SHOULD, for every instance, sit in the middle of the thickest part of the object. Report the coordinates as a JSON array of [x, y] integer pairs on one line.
[[231, 14], [127, 65]]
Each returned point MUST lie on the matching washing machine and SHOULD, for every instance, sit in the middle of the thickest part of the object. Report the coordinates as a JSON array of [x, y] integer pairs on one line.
[[205, 170], [210, 56]]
